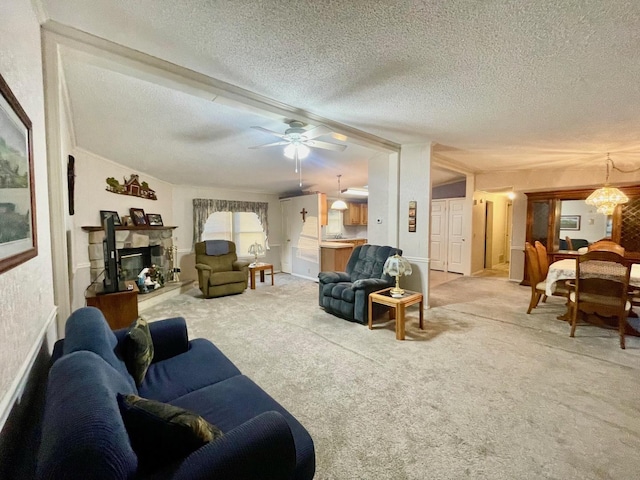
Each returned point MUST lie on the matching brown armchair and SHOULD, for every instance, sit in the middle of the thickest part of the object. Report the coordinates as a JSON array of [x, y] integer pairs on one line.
[[219, 270]]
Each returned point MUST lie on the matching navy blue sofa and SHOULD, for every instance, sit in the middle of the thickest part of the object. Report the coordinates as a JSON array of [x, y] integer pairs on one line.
[[83, 434], [346, 294]]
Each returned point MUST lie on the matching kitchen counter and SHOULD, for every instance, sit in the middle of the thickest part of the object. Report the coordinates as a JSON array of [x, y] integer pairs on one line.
[[335, 244], [334, 256]]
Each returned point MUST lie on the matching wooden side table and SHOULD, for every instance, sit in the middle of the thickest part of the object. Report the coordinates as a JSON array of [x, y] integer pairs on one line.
[[259, 267], [383, 297], [119, 308]]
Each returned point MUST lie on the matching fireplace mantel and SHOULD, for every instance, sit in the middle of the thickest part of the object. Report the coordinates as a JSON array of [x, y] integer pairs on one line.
[[88, 228]]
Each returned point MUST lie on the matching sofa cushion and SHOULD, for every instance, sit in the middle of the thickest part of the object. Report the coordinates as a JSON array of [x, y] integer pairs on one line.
[[161, 433], [232, 402], [202, 365], [138, 349], [83, 435]]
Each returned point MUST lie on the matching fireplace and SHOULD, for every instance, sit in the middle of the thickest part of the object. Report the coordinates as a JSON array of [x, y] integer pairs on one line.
[[138, 248]]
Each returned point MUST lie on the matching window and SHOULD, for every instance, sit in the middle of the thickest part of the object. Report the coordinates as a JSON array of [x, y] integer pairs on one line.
[[242, 228]]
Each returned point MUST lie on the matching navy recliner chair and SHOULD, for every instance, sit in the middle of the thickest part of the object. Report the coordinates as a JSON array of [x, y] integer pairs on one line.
[[346, 294]]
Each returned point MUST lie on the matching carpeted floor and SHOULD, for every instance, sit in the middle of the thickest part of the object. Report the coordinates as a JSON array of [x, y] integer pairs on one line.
[[484, 392]]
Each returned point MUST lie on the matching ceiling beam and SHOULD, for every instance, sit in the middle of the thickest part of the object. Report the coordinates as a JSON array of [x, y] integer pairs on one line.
[[106, 54]]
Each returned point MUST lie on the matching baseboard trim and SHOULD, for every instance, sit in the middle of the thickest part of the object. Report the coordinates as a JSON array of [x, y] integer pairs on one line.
[[20, 381], [305, 277]]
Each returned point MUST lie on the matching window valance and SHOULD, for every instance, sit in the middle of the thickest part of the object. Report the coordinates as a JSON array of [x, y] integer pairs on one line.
[[203, 208]]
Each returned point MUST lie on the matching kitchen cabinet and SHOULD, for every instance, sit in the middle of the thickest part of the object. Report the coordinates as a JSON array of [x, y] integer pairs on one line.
[[334, 256], [355, 214], [323, 208]]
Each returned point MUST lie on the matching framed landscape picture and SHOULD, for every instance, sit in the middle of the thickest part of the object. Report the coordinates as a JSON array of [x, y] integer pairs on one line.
[[18, 237], [569, 222], [154, 219]]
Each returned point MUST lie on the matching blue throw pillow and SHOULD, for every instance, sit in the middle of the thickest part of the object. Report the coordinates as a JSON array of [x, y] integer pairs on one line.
[[161, 433]]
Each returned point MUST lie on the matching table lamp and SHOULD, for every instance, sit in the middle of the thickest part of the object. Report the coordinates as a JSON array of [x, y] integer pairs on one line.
[[256, 249], [397, 266]]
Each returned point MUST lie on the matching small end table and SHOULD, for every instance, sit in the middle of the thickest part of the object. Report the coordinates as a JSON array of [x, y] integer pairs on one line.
[[399, 304], [259, 267]]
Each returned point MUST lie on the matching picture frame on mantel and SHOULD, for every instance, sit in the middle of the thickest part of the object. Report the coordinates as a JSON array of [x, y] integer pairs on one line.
[[154, 219], [18, 233], [138, 217], [104, 214]]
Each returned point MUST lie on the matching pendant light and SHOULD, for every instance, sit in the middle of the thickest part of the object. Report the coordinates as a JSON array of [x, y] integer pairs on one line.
[[607, 198], [339, 204]]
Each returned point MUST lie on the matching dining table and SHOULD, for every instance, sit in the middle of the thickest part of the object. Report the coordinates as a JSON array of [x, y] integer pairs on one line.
[[565, 269]]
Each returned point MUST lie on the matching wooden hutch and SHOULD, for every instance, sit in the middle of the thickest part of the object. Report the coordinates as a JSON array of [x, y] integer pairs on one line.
[[543, 221]]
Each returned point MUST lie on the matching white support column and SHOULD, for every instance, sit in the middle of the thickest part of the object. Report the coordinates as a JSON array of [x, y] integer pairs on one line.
[[415, 185]]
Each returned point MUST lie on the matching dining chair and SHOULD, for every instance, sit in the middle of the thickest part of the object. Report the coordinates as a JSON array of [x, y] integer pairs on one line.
[[561, 289], [601, 287], [606, 246], [538, 283], [543, 259], [569, 243]]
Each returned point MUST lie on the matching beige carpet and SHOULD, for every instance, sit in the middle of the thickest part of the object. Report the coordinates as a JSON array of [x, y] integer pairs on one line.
[[484, 392]]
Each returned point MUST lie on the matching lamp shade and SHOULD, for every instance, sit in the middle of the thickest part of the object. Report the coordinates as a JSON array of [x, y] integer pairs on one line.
[[397, 266], [256, 249], [338, 205]]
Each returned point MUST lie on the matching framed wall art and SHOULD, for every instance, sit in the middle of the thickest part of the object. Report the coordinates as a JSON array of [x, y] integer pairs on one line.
[[412, 215], [18, 234], [569, 222], [138, 216]]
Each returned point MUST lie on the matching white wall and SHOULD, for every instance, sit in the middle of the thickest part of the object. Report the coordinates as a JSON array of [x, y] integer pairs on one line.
[[27, 310], [383, 200]]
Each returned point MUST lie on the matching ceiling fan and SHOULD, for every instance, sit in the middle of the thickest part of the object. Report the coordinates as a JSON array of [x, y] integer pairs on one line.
[[297, 136], [299, 141]]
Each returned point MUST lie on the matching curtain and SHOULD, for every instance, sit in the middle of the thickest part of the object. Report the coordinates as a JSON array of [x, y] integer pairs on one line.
[[203, 208]]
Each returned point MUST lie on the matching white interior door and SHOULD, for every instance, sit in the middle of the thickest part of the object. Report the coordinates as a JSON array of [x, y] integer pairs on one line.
[[438, 254], [455, 241], [285, 260]]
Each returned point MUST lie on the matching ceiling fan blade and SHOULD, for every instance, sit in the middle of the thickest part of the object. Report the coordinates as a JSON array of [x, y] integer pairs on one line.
[[274, 144], [326, 145], [317, 132], [270, 132]]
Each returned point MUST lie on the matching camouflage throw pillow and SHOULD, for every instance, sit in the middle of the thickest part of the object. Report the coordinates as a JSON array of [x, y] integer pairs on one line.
[[138, 349], [161, 433]]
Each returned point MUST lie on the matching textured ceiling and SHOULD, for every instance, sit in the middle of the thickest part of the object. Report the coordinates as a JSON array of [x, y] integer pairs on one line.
[[500, 84]]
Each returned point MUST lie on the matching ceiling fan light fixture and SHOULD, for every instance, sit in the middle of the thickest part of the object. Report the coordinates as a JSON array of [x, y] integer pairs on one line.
[[301, 148]]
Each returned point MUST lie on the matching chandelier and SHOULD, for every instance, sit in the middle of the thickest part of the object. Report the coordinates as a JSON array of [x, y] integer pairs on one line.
[[607, 198]]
